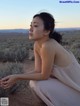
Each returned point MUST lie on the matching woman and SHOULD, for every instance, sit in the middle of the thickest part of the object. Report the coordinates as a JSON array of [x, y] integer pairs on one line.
[[56, 79]]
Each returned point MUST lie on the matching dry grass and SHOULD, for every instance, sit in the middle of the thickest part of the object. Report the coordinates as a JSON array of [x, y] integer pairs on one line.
[[17, 49]]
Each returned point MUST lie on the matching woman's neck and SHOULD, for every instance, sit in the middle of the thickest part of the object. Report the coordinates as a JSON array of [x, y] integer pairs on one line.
[[41, 41]]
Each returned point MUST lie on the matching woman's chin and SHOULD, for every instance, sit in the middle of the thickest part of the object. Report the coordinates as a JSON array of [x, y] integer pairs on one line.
[[30, 37]]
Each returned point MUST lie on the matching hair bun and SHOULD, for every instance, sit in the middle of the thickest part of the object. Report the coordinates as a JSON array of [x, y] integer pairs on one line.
[[57, 36]]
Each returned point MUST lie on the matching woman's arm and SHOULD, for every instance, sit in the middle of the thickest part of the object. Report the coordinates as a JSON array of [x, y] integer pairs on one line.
[[31, 72], [32, 76], [10, 80], [47, 58], [37, 61]]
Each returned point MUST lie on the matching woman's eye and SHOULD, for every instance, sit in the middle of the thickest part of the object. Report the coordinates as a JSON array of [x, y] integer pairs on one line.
[[35, 25]]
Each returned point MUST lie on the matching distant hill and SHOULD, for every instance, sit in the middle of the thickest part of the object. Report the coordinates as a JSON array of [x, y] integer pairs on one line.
[[67, 29], [14, 31], [27, 30]]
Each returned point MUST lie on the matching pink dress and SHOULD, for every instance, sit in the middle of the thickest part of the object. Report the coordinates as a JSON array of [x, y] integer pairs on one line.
[[63, 89]]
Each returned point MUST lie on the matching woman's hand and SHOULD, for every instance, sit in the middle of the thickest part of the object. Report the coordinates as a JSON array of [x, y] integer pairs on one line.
[[8, 81]]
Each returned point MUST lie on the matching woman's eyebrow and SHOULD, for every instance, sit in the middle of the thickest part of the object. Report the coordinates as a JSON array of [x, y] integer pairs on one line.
[[35, 22]]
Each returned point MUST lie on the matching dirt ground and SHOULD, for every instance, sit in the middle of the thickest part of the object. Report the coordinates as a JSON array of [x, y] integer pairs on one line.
[[26, 96]]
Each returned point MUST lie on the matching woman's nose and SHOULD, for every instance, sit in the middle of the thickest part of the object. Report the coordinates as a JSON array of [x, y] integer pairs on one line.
[[31, 29]]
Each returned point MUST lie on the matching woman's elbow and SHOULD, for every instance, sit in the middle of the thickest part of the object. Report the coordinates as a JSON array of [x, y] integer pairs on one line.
[[45, 77]]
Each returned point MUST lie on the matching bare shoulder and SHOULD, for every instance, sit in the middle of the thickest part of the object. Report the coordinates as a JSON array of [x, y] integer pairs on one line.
[[48, 47], [35, 46]]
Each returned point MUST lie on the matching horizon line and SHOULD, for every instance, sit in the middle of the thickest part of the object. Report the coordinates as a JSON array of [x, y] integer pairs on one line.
[[28, 28]]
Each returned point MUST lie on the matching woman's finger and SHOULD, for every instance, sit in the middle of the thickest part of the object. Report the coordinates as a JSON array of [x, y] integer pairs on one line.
[[5, 82], [5, 79], [6, 86]]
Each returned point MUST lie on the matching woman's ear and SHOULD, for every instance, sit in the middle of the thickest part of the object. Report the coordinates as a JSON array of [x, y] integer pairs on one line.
[[47, 32]]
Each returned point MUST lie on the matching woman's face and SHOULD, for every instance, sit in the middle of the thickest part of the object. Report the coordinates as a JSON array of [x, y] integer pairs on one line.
[[36, 31]]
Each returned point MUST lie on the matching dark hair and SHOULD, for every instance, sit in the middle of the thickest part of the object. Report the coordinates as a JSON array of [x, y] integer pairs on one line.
[[49, 24]]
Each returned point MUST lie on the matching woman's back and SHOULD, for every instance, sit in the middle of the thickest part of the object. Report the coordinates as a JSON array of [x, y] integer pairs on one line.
[[61, 58], [69, 75]]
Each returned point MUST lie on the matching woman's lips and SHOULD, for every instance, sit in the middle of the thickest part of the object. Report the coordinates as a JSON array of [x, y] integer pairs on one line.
[[30, 33]]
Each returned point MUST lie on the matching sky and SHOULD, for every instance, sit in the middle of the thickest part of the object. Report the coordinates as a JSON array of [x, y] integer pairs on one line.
[[17, 14]]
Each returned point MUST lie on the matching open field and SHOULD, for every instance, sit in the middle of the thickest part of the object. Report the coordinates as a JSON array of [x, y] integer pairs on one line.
[[15, 46], [16, 55]]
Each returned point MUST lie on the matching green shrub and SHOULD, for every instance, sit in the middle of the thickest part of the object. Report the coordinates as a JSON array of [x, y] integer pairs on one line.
[[10, 69]]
